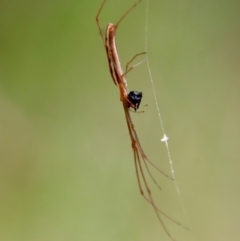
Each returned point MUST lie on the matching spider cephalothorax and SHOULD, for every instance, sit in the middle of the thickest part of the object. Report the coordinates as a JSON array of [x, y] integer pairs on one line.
[[134, 99]]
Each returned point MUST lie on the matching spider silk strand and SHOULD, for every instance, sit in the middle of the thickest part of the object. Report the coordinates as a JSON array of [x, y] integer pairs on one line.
[[165, 138]]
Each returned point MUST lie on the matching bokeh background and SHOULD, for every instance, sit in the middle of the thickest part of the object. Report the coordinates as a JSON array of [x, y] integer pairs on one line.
[[66, 165]]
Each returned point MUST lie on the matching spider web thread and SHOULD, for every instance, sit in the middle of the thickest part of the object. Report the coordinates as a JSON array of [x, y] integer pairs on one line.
[[165, 138]]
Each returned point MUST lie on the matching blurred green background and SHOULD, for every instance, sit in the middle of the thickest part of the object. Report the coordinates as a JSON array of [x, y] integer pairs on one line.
[[66, 165]]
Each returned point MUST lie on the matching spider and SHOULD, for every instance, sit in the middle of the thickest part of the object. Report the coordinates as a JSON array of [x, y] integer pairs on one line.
[[131, 100]]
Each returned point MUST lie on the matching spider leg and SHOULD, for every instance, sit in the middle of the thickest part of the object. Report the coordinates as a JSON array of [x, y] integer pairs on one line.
[[97, 20], [134, 57]]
